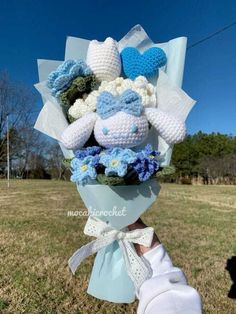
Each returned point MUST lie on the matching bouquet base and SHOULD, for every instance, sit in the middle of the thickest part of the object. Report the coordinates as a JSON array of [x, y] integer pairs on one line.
[[109, 280], [118, 207]]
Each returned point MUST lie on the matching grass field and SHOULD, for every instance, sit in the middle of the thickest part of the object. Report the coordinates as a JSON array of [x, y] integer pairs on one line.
[[197, 224]]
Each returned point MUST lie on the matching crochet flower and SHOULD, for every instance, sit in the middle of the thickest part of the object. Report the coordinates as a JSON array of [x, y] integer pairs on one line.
[[116, 87], [140, 85], [88, 151], [83, 170], [116, 161], [149, 152], [60, 79], [84, 105], [146, 163], [79, 88]]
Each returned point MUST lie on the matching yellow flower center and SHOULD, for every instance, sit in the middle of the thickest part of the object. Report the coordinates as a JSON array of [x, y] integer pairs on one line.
[[114, 162], [84, 168], [151, 156]]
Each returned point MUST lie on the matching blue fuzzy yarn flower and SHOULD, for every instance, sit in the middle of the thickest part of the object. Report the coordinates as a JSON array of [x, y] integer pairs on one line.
[[88, 151], [146, 163], [116, 161], [60, 79], [83, 169]]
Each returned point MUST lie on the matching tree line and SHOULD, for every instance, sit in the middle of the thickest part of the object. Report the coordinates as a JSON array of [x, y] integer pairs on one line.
[[200, 158], [205, 158]]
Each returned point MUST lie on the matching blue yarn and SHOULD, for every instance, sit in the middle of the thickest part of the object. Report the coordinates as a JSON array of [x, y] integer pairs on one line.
[[146, 163], [147, 64], [60, 79], [88, 151], [129, 101]]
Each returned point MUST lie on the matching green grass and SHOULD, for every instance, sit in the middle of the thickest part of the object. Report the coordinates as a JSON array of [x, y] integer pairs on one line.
[[196, 223]]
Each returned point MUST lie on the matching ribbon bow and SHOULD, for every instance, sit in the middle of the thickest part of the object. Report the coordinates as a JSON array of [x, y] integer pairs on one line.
[[129, 102], [138, 269]]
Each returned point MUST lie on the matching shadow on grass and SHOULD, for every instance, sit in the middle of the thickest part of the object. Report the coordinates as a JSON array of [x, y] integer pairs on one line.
[[231, 268]]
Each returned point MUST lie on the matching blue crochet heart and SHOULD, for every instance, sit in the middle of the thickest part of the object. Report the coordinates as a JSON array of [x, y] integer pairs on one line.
[[134, 63]]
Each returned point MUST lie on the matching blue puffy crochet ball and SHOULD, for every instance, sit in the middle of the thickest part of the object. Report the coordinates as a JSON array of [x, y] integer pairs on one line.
[[147, 64]]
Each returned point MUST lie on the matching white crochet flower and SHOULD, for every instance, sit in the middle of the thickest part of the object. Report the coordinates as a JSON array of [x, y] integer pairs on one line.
[[140, 85], [116, 87], [83, 106]]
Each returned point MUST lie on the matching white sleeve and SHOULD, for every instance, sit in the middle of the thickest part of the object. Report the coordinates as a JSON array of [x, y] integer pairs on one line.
[[167, 292]]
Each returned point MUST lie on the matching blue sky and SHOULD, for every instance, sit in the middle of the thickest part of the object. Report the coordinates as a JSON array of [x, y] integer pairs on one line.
[[37, 29]]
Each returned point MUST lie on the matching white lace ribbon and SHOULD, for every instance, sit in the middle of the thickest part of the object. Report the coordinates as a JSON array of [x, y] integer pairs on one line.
[[137, 267]]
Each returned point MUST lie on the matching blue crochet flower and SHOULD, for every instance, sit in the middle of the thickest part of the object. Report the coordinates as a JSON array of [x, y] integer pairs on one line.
[[88, 151], [83, 170], [146, 163], [116, 161], [60, 79], [149, 152]]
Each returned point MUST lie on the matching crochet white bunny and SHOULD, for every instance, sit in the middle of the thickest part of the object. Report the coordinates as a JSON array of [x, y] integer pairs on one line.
[[122, 122]]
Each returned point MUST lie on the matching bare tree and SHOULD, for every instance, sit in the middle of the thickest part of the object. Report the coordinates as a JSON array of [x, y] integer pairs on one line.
[[32, 154], [16, 102], [55, 165], [218, 169]]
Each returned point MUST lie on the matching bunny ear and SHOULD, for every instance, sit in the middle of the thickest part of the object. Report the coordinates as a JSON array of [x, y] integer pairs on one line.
[[77, 133], [171, 129]]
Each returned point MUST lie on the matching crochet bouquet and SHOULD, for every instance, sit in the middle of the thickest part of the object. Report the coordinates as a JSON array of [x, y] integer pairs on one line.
[[116, 115]]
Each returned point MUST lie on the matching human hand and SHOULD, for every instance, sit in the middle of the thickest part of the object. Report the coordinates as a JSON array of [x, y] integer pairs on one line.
[[140, 249]]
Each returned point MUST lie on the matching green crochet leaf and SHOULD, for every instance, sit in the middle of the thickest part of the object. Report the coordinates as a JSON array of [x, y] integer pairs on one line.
[[80, 86], [112, 180], [66, 162], [166, 171]]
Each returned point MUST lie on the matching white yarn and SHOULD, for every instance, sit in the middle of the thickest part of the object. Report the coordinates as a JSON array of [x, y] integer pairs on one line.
[[83, 106], [116, 87], [103, 58], [77, 133], [119, 129], [171, 129], [140, 85]]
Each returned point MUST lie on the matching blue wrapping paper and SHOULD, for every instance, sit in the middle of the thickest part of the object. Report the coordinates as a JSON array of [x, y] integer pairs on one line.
[[109, 279], [107, 202]]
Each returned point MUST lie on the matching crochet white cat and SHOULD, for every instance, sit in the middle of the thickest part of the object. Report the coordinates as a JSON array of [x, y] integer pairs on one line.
[[122, 122]]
